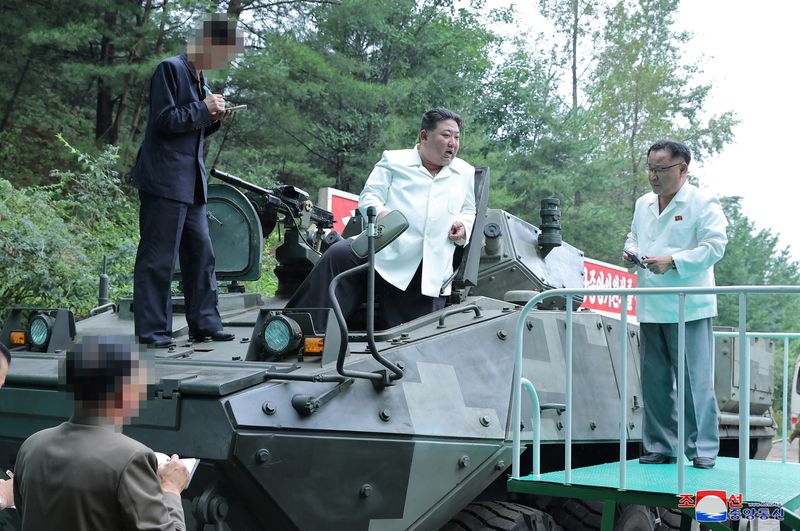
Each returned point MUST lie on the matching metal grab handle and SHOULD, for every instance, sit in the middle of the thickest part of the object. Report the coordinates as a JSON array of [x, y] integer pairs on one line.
[[308, 404], [381, 378], [462, 309], [103, 308]]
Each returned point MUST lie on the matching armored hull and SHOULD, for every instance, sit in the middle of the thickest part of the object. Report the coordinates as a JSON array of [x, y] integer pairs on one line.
[[286, 442]]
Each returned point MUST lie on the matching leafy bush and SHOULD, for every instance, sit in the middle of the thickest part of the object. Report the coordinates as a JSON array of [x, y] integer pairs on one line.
[[53, 238]]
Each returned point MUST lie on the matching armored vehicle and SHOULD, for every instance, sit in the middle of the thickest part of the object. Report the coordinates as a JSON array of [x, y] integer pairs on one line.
[[306, 423]]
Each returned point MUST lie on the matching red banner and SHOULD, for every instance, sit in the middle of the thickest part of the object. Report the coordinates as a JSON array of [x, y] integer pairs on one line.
[[599, 274], [342, 204]]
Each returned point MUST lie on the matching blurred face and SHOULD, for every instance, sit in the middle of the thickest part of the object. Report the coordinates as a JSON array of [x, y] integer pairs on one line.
[[440, 146], [666, 174], [3, 370], [215, 55], [202, 51], [133, 393], [207, 56]]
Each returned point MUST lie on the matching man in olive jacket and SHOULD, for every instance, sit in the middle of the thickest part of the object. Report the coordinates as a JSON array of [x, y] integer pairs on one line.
[[85, 474]]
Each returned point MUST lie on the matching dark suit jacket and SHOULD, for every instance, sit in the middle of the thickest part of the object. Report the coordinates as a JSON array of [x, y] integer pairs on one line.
[[83, 475], [170, 162]]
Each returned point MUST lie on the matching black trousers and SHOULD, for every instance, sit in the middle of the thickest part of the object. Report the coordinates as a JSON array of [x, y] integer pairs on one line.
[[396, 306], [168, 230]]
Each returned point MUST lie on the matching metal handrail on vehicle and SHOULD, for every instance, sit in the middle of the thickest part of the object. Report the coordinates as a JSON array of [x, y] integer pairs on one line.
[[681, 292]]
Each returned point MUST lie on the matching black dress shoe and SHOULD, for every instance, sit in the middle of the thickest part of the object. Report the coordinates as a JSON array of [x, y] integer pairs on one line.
[[219, 335], [657, 459], [162, 343], [704, 462]]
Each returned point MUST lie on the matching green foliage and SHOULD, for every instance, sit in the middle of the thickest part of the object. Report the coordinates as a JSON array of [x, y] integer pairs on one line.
[[329, 85], [267, 285], [39, 252], [642, 90], [53, 238], [350, 84], [752, 257]]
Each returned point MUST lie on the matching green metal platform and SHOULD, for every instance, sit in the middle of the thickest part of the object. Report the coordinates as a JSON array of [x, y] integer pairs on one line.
[[769, 482]]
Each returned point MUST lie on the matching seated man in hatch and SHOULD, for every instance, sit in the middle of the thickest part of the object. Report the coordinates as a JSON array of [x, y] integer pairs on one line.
[[435, 191]]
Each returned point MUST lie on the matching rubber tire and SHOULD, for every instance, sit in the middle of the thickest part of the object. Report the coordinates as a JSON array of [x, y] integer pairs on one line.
[[501, 516], [671, 521], [577, 515], [587, 515], [635, 518]]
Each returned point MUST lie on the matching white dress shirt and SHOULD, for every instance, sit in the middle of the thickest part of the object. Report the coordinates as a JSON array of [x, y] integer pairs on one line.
[[691, 229], [431, 204]]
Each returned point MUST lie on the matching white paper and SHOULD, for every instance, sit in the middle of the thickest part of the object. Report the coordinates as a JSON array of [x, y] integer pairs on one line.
[[189, 462]]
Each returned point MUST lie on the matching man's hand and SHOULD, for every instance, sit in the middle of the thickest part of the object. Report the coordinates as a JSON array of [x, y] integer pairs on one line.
[[628, 257], [457, 231], [627, 260], [215, 103], [173, 475], [658, 264], [7, 491], [216, 107]]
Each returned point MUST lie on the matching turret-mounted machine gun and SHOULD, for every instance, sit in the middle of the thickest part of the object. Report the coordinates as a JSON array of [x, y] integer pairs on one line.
[[303, 224]]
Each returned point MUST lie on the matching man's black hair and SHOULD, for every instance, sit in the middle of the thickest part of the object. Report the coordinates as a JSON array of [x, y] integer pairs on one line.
[[221, 30], [675, 148], [97, 368], [5, 353], [432, 118]]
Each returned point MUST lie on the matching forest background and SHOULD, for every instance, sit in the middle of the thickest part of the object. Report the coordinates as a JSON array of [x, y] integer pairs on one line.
[[329, 84]]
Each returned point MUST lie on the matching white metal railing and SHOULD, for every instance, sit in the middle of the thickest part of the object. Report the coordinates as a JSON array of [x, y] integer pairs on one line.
[[786, 336], [744, 372]]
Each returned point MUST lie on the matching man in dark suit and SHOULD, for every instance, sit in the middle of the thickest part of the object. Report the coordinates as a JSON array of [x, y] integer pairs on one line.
[[84, 473], [171, 178]]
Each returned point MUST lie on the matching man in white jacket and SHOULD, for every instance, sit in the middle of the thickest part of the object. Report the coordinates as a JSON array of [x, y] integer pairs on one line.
[[678, 233], [435, 191]]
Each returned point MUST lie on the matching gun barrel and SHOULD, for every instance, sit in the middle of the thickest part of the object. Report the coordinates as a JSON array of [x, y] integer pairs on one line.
[[239, 183]]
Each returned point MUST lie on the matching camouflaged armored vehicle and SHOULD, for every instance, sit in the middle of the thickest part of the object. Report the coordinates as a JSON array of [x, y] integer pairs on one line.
[[305, 424]]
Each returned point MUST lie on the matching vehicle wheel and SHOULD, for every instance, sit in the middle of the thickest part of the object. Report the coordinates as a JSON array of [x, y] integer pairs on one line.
[[578, 515], [670, 520], [635, 518], [501, 516]]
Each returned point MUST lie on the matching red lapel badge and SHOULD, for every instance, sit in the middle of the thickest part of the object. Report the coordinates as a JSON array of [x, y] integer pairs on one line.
[[678, 218]]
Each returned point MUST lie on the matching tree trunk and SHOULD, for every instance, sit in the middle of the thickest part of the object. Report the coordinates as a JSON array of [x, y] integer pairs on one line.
[[133, 57], [341, 183], [143, 95], [575, 54], [9, 106], [105, 107], [105, 101]]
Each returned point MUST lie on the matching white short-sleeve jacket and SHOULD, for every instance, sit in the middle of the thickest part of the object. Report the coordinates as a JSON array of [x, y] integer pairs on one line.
[[691, 229], [431, 205]]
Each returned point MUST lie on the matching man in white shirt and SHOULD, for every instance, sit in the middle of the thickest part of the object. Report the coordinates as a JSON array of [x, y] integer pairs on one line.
[[435, 191], [678, 232]]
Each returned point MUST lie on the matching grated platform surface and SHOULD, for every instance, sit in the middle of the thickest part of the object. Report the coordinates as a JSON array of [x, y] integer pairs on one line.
[[768, 481]]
